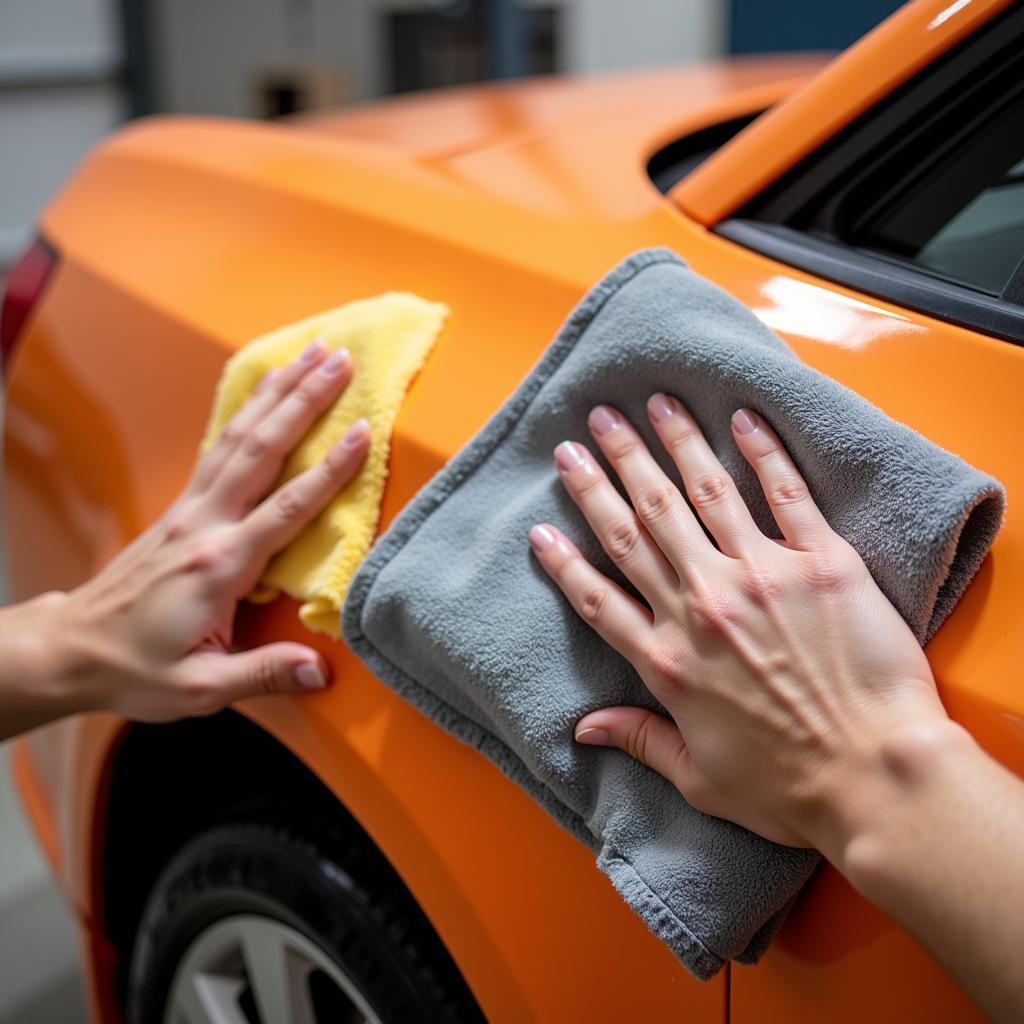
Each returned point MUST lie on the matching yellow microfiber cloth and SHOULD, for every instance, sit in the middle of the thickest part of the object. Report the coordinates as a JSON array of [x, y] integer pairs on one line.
[[389, 337]]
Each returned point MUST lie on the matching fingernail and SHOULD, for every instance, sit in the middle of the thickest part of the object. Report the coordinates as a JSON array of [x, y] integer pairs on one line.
[[312, 353], [335, 362], [602, 419], [310, 676], [744, 422], [567, 456], [356, 434], [594, 737], [660, 407], [541, 538]]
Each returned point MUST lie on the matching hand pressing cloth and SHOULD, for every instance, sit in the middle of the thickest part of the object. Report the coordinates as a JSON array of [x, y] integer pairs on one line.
[[452, 610], [389, 337]]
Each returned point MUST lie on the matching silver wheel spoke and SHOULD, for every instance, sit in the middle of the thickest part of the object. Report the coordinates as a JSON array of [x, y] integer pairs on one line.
[[249, 956], [206, 999], [279, 978]]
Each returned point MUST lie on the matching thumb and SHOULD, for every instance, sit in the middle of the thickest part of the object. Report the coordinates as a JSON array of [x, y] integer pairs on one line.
[[262, 672], [649, 738]]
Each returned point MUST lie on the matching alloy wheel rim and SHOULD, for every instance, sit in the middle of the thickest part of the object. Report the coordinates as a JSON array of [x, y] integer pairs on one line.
[[248, 969]]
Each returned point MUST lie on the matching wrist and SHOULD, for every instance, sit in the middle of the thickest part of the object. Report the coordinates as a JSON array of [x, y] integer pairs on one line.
[[35, 680], [910, 773]]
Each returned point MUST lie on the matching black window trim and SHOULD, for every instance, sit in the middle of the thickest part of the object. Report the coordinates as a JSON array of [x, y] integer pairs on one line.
[[880, 277], [789, 221]]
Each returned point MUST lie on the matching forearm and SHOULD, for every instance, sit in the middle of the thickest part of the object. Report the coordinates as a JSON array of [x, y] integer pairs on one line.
[[936, 840], [33, 688]]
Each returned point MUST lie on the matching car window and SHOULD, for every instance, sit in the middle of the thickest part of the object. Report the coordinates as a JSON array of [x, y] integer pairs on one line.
[[964, 218], [920, 201]]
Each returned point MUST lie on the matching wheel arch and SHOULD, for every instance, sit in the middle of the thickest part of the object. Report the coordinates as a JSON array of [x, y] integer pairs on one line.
[[167, 783]]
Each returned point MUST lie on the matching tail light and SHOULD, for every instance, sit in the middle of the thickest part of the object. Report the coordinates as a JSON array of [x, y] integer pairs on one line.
[[25, 283]]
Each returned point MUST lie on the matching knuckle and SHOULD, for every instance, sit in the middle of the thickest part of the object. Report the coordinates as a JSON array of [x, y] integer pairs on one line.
[[334, 465], [621, 539], [592, 602], [563, 568], [288, 504], [683, 432], [264, 679], [711, 612], [306, 394], [655, 502], [789, 491], [625, 447], [256, 445], [828, 572], [586, 486], [709, 489], [178, 526], [666, 663], [638, 738], [207, 559], [231, 435], [760, 585], [682, 436]]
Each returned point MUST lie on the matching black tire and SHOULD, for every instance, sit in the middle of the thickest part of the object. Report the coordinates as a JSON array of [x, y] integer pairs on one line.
[[340, 894]]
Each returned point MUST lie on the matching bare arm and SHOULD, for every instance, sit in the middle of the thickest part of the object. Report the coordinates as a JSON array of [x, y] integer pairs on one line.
[[149, 636], [801, 705]]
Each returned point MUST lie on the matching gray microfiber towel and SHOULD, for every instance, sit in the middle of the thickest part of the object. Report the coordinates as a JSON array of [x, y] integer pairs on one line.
[[452, 611]]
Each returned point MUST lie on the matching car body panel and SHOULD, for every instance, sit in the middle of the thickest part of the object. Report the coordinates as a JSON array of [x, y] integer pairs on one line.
[[182, 238]]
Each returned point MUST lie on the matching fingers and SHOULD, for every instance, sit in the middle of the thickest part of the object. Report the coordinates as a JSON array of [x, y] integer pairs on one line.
[[282, 516], [658, 503], [257, 460], [620, 621], [649, 738], [211, 680], [614, 522], [274, 386], [709, 487], [799, 518]]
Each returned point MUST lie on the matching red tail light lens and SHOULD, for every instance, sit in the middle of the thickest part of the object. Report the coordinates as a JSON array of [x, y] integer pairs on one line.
[[25, 283]]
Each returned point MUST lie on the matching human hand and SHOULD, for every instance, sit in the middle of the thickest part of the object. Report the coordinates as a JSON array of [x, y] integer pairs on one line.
[[149, 636], [789, 676]]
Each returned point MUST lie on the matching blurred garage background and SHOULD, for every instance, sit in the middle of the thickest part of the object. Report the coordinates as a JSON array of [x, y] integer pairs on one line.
[[72, 70]]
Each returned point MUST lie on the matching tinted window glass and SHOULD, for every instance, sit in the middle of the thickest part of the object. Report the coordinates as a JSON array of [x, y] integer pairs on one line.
[[963, 217]]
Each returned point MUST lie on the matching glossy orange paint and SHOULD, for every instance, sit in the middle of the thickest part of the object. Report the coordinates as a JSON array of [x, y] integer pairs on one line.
[[181, 238], [868, 71]]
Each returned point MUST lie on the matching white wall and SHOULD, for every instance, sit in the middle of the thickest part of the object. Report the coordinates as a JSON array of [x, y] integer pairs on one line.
[[607, 35], [46, 126], [209, 50]]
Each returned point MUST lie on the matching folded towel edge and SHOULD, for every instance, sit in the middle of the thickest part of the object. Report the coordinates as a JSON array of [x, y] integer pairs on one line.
[[966, 551]]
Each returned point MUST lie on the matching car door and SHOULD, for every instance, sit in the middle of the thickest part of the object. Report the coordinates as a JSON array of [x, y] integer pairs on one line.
[[890, 251]]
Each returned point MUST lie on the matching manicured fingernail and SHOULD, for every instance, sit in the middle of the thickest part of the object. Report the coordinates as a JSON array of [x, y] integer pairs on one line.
[[744, 422], [660, 407], [335, 361], [265, 381], [310, 676], [567, 456], [602, 419], [313, 352], [541, 538], [356, 434], [595, 737]]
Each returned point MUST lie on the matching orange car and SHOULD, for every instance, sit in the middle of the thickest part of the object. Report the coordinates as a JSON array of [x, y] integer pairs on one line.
[[339, 854]]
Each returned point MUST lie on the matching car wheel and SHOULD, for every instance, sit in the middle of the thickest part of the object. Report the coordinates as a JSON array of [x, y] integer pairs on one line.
[[257, 924]]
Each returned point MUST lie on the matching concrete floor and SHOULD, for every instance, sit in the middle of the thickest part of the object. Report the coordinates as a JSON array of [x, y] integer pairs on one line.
[[40, 973]]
